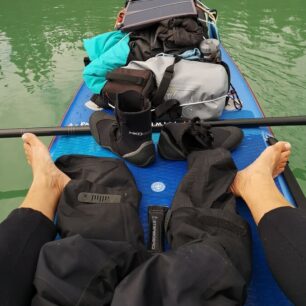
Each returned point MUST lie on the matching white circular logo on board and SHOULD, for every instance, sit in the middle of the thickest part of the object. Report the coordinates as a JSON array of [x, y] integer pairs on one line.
[[158, 186]]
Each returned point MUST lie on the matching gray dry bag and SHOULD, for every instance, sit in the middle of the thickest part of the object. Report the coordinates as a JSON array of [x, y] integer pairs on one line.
[[200, 87]]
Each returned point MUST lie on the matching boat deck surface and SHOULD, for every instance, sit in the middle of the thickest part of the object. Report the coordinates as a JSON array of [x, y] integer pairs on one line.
[[158, 182]]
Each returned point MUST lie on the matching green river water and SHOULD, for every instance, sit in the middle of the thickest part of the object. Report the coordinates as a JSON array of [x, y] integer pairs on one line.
[[41, 64]]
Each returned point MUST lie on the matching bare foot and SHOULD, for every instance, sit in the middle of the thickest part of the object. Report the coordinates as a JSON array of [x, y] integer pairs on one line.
[[255, 183], [48, 181], [43, 168], [269, 164]]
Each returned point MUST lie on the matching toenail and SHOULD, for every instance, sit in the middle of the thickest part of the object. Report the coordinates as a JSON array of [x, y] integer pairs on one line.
[[287, 145]]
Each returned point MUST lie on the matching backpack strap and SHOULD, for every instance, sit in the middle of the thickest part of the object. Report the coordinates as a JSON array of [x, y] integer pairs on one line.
[[164, 84]]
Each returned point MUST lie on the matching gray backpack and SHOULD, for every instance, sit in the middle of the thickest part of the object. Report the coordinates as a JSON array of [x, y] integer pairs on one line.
[[201, 88]]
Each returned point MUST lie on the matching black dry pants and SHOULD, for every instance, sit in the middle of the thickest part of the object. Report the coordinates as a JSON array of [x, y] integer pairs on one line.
[[208, 264]]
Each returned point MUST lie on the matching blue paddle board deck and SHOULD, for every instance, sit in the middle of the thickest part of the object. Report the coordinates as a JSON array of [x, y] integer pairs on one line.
[[158, 182]]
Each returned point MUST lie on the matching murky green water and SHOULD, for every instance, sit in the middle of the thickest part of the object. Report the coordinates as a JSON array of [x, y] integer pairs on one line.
[[41, 62]]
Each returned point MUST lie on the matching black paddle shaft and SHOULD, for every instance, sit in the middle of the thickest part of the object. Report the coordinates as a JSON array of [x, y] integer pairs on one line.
[[156, 127], [45, 131], [256, 122]]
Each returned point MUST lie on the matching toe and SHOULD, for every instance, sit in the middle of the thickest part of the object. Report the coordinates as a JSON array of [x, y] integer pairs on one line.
[[27, 149], [286, 154], [278, 171], [283, 164], [283, 146], [287, 146], [30, 139], [281, 169], [26, 146]]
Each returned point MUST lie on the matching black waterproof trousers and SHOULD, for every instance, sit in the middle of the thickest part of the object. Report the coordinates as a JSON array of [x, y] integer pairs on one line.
[[210, 260], [209, 263]]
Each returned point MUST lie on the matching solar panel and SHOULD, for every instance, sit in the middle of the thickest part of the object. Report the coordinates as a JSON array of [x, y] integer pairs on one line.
[[142, 13]]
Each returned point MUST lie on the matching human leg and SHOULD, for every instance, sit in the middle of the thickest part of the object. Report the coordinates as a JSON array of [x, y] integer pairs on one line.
[[102, 237], [195, 274], [210, 257], [204, 212], [29, 227], [280, 225], [81, 271]]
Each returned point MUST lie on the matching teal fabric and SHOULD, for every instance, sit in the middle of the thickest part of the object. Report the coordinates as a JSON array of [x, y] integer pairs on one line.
[[107, 52]]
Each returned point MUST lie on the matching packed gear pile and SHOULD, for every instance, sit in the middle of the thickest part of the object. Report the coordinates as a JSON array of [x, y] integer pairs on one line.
[[169, 60]]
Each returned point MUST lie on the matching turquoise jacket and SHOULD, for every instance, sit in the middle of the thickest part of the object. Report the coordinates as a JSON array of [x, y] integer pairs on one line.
[[107, 52]]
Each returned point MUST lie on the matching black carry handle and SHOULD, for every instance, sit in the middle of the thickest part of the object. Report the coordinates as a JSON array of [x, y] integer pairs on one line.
[[157, 126], [293, 185]]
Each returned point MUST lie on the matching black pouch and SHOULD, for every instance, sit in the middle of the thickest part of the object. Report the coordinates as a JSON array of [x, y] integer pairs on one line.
[[123, 79]]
